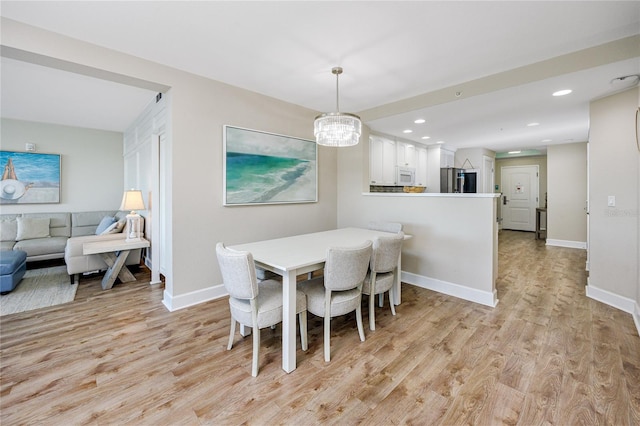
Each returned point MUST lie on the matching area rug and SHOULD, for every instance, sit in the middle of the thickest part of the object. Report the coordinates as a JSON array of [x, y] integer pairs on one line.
[[39, 288]]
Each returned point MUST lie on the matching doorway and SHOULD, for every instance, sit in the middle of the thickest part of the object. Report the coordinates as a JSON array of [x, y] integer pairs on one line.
[[520, 195]]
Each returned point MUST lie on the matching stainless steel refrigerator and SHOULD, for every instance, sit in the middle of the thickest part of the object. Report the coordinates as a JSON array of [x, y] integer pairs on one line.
[[457, 180]]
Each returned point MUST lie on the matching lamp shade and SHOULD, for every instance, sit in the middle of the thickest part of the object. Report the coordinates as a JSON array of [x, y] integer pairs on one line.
[[132, 200]]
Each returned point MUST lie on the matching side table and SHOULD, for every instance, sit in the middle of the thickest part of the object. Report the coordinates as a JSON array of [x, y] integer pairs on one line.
[[114, 253], [541, 233]]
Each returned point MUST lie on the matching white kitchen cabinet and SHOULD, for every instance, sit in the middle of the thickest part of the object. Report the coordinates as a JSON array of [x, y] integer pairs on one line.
[[406, 154], [421, 166], [382, 157], [446, 158]]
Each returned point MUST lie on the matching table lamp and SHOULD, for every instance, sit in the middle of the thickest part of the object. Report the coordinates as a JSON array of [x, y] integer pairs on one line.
[[132, 200]]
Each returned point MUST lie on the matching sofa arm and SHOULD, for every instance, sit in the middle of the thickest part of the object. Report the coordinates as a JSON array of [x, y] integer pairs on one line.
[[78, 263]]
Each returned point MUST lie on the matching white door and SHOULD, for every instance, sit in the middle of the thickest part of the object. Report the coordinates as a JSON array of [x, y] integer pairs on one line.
[[519, 197]]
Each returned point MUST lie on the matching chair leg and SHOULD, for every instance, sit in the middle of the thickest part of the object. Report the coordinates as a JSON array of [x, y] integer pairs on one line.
[[391, 297], [372, 307], [381, 300], [256, 351], [233, 331], [302, 317], [359, 321], [327, 335]]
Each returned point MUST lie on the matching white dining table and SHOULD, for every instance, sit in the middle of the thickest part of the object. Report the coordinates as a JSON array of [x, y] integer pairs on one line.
[[301, 254]]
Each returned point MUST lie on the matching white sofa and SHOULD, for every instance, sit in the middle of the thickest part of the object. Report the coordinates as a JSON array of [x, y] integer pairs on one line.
[[84, 232], [61, 235]]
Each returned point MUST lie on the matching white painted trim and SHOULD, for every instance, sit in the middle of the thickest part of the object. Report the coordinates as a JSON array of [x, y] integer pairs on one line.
[[194, 298], [451, 289], [619, 302], [567, 243], [636, 318]]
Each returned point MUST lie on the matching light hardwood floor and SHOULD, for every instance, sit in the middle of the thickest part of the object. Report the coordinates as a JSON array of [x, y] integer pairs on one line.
[[545, 355]]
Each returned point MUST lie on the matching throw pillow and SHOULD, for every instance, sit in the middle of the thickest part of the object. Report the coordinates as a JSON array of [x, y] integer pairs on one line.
[[109, 229], [106, 222], [32, 227], [8, 230], [119, 226]]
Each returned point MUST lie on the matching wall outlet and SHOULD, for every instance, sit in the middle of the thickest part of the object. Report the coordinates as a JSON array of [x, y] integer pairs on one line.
[[611, 201]]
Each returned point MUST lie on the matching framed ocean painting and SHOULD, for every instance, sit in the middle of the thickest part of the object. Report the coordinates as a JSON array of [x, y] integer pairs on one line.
[[29, 178], [266, 168]]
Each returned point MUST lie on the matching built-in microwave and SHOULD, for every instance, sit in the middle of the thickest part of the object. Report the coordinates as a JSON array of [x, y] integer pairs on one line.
[[406, 176]]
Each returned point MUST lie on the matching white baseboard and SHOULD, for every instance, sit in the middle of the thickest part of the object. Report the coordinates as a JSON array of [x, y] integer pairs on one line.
[[473, 295], [619, 302], [567, 243], [195, 297], [636, 318]]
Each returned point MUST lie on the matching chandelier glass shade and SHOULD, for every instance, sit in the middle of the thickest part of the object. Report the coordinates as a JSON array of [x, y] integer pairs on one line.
[[337, 129]]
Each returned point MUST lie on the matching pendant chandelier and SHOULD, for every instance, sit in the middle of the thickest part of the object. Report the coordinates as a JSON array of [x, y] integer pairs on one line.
[[337, 128]]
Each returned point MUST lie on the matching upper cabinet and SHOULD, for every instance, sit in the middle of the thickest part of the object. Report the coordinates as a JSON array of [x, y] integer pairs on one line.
[[406, 154], [446, 158], [386, 155], [382, 157]]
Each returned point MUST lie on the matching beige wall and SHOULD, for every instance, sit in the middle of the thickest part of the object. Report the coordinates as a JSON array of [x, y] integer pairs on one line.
[[567, 194], [613, 171], [91, 165], [199, 108]]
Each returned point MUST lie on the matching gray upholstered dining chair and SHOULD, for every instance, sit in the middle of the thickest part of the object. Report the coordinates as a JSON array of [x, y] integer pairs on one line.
[[382, 272], [253, 304], [339, 290], [386, 226]]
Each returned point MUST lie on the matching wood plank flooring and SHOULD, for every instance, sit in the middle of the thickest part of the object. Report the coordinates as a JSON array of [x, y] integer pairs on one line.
[[545, 355]]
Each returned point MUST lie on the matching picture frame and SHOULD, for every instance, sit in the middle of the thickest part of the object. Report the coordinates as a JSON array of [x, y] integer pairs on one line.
[[29, 178], [266, 168]]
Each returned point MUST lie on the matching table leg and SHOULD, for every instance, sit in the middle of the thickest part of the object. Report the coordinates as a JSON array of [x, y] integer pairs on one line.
[[289, 321], [117, 268], [398, 281]]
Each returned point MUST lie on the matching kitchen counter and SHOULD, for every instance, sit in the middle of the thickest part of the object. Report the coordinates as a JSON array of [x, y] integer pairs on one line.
[[431, 194]]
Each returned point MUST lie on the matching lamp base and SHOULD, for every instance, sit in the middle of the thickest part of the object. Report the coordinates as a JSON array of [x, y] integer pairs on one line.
[[133, 228]]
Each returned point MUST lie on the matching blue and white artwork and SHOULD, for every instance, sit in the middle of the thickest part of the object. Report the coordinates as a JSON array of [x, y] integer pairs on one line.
[[265, 168], [29, 178]]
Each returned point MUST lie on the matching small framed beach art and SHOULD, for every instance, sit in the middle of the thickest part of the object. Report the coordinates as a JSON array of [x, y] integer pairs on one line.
[[29, 178], [266, 168]]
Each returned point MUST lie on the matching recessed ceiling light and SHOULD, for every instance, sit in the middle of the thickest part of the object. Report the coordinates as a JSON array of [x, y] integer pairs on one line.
[[533, 124], [426, 137], [562, 92], [420, 121], [407, 131], [515, 152], [546, 140], [440, 142]]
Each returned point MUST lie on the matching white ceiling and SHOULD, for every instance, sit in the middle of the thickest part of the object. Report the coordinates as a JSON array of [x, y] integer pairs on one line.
[[390, 52]]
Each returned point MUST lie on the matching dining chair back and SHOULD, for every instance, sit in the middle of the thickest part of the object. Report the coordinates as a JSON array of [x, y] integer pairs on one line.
[[339, 290], [382, 272], [253, 304]]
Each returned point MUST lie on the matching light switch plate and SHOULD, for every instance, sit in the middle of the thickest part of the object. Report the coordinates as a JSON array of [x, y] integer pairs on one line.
[[611, 201]]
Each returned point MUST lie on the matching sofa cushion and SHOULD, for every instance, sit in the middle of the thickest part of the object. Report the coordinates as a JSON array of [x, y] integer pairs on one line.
[[59, 223], [42, 246], [31, 227], [105, 223], [8, 230], [7, 245], [85, 223]]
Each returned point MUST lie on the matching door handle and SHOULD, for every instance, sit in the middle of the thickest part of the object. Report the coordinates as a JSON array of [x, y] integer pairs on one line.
[[504, 200]]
